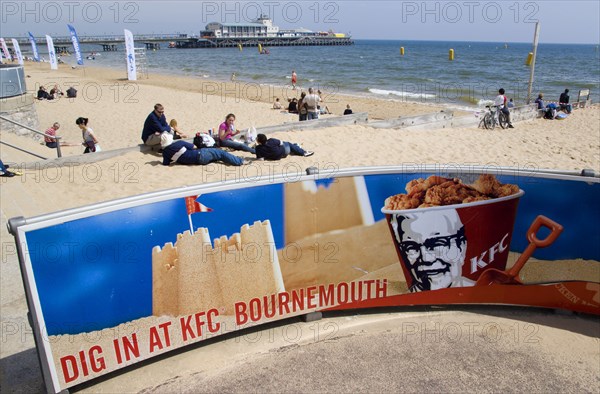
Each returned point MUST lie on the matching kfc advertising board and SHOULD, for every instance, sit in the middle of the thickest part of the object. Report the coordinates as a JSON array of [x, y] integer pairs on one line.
[[120, 282]]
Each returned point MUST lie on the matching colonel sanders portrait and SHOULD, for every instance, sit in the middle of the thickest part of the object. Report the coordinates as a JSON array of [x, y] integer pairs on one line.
[[433, 246]]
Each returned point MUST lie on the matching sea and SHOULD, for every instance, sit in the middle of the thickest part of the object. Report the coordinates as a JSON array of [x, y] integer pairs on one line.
[[376, 68]]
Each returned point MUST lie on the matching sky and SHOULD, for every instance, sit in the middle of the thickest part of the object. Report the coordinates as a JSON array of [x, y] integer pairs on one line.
[[496, 21]]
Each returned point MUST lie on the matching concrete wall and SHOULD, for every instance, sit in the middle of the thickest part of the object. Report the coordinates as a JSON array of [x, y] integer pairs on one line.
[[20, 109]]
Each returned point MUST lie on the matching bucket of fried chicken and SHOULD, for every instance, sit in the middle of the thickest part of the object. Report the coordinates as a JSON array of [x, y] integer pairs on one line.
[[446, 232]]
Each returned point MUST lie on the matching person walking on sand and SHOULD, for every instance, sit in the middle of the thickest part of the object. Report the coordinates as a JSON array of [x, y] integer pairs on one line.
[[294, 79], [89, 138], [155, 125]]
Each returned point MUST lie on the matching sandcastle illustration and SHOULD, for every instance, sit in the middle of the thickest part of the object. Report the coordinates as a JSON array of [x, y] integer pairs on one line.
[[193, 276], [313, 209]]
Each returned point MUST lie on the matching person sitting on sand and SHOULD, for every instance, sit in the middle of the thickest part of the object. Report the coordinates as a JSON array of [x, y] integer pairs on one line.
[[51, 132], [540, 101], [274, 149], [563, 101], [56, 92], [293, 106], [277, 104], [177, 134], [182, 152], [42, 94], [227, 131], [71, 92], [348, 110], [154, 126]]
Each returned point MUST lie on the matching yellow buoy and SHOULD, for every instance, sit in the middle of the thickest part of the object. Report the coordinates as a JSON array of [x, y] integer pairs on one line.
[[529, 59], [451, 54], [259, 48], [402, 51], [240, 47]]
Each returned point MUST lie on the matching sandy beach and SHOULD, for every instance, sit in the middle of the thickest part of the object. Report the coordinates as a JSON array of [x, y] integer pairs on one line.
[[117, 108]]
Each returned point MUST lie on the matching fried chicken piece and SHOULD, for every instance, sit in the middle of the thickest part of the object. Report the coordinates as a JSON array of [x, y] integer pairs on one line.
[[507, 190], [490, 186], [480, 197], [421, 185], [403, 201], [486, 184], [437, 191], [448, 193]]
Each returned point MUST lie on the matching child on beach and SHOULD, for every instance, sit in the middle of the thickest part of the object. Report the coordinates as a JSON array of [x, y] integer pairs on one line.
[[89, 138], [177, 134]]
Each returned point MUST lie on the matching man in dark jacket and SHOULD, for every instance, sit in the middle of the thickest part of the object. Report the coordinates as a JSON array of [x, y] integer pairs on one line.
[[274, 149], [563, 101], [182, 152], [154, 126]]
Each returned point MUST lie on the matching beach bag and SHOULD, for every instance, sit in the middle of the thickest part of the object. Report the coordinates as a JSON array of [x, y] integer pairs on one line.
[[251, 135], [90, 146]]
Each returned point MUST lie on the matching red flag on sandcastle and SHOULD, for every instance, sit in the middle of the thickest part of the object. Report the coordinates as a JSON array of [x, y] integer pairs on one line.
[[194, 206]]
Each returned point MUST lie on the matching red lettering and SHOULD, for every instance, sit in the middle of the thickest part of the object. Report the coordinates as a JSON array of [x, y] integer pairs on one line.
[[117, 348], [131, 347], [356, 294], [342, 298], [199, 323], [326, 295], [269, 314], [297, 300], [255, 311], [96, 362], [381, 288], [310, 295], [284, 298], [69, 368], [212, 314], [186, 328], [165, 327], [155, 339], [240, 313]]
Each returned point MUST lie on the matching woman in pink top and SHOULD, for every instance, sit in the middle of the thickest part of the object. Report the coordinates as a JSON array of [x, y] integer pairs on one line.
[[226, 133]]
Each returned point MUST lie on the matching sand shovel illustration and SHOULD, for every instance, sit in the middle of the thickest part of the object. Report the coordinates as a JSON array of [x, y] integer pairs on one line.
[[495, 276]]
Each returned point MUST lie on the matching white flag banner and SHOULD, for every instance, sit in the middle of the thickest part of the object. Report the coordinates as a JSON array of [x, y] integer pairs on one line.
[[51, 53], [17, 51], [5, 49], [130, 48]]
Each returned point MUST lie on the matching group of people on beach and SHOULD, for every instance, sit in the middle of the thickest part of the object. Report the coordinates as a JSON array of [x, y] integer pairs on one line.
[[207, 147], [308, 106], [55, 92], [551, 109]]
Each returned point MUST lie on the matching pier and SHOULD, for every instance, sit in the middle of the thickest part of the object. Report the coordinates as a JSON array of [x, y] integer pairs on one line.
[[113, 43], [229, 42]]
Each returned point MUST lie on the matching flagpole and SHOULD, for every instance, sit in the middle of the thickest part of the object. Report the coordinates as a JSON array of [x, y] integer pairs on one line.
[[191, 225]]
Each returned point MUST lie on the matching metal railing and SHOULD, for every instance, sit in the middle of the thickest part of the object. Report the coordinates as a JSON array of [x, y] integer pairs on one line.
[[56, 138]]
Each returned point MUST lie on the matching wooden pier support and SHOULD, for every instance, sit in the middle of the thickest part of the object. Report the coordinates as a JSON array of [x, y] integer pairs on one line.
[[152, 45], [109, 47]]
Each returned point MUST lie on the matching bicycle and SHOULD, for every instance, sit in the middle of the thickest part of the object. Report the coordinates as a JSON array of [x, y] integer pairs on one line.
[[494, 116]]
